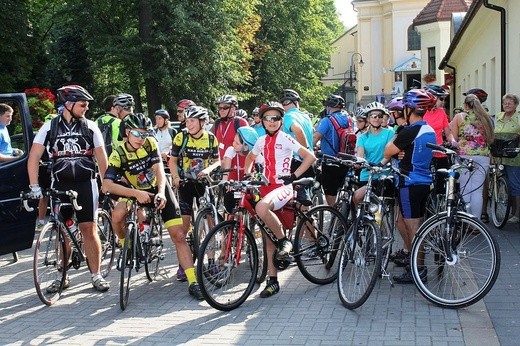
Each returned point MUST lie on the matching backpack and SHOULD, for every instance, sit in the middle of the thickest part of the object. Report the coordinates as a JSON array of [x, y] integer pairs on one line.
[[122, 155], [346, 135], [85, 132], [184, 142], [106, 132]]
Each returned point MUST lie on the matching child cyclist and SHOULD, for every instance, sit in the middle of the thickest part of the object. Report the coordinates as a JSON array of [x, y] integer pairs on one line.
[[277, 148], [194, 154], [139, 162], [235, 155]]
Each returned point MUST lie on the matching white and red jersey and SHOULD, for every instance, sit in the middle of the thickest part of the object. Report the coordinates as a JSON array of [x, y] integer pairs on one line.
[[278, 151]]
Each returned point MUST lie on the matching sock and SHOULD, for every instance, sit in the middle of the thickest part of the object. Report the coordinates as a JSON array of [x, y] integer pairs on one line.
[[190, 275], [122, 241], [41, 222]]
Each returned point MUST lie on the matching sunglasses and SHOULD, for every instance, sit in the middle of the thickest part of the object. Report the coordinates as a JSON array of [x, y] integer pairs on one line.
[[180, 111], [286, 102], [377, 116], [82, 104], [138, 134], [224, 108], [272, 118]]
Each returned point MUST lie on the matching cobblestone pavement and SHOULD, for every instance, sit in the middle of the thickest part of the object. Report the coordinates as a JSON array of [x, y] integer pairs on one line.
[[162, 312]]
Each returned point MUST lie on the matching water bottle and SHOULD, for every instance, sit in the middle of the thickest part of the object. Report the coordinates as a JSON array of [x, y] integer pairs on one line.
[[73, 227], [377, 216], [144, 231]]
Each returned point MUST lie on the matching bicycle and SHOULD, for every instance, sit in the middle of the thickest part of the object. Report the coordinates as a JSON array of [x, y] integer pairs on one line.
[[141, 247], [59, 245], [455, 260], [228, 259], [106, 235]]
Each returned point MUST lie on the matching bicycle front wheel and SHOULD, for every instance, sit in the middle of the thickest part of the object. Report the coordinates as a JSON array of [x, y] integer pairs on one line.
[[388, 225], [204, 222], [107, 238], [128, 259], [359, 264], [49, 267], [470, 273], [317, 242], [227, 266], [153, 252], [500, 203]]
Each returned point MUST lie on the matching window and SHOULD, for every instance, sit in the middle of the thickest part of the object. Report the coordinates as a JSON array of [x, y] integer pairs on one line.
[[414, 39], [432, 64]]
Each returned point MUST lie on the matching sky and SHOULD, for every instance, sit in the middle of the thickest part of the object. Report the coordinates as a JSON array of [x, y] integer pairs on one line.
[[346, 12]]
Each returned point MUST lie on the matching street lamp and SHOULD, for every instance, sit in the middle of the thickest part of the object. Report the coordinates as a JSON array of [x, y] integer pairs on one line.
[[353, 67]]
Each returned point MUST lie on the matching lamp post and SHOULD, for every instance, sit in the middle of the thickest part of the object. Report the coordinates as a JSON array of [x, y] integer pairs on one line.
[[353, 67]]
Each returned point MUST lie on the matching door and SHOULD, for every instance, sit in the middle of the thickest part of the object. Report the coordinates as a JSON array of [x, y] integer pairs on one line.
[[16, 224]]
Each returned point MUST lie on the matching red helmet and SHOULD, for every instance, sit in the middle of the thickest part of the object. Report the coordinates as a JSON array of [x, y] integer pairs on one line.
[[479, 93], [419, 99], [185, 103]]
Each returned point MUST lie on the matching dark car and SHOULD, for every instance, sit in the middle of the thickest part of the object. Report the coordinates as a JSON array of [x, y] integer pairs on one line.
[[17, 226]]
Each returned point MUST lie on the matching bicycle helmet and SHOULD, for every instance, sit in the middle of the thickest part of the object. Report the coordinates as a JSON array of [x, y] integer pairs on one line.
[[271, 105], [241, 113], [163, 113], [124, 100], [419, 99], [230, 99], [185, 103], [436, 90], [248, 135], [479, 93], [73, 93], [396, 104], [289, 94], [137, 121], [375, 106], [255, 111], [360, 113], [334, 101], [197, 112]]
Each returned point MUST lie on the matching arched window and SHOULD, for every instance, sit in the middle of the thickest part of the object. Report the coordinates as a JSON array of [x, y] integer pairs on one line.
[[414, 39]]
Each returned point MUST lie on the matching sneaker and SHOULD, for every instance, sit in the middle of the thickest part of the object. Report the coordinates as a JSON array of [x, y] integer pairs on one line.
[[513, 219], [54, 287], [100, 284], [398, 254], [402, 262], [407, 277], [484, 218], [271, 289], [181, 275], [194, 290], [284, 248]]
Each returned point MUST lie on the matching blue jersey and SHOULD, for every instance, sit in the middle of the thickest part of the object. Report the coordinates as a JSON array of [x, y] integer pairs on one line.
[[417, 156], [374, 147], [5, 142], [294, 115], [329, 142]]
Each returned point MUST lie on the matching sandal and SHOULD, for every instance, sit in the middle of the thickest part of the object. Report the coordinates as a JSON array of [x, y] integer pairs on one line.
[[100, 284], [484, 218]]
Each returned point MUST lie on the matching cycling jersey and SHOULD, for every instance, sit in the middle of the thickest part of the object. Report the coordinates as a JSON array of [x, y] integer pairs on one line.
[[277, 150], [294, 115], [237, 163], [135, 166], [225, 132], [71, 153], [329, 136], [196, 155]]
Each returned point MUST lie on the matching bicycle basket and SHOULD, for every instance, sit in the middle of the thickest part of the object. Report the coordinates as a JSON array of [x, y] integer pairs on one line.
[[503, 142]]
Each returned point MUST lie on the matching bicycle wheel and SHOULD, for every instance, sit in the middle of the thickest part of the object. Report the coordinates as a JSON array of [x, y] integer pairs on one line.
[[317, 242], [49, 269], [359, 264], [204, 222], [227, 266], [260, 239], [469, 275], [387, 227], [107, 238], [317, 194], [153, 251], [500, 203], [128, 259]]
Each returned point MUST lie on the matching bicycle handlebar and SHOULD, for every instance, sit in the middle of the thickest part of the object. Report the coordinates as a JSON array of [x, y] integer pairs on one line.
[[73, 195]]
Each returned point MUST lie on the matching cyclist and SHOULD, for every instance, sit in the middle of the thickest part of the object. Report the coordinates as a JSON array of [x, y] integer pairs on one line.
[[164, 133], [109, 124], [226, 126], [123, 105], [361, 121], [75, 145], [415, 164], [332, 175], [194, 154], [259, 128], [277, 148], [235, 155], [395, 107], [182, 105]]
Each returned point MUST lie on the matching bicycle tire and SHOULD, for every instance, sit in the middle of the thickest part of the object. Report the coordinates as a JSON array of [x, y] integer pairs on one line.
[[48, 264], [261, 246], [202, 226], [128, 259], [108, 242], [500, 203], [357, 277], [317, 194], [317, 242], [387, 227], [224, 285], [471, 274], [153, 251]]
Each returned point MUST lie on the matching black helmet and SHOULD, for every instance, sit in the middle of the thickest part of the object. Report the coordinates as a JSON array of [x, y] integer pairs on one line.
[[479, 93], [271, 105], [73, 93], [436, 90], [334, 101], [163, 113], [124, 100], [137, 121], [289, 94]]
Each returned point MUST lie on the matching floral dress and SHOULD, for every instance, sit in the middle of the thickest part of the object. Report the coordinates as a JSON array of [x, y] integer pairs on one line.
[[471, 137]]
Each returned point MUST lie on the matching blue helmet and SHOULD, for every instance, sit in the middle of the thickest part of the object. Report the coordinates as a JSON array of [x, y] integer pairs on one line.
[[248, 135]]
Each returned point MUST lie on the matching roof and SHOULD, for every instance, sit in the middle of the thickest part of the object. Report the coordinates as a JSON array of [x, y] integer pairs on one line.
[[440, 11], [412, 64]]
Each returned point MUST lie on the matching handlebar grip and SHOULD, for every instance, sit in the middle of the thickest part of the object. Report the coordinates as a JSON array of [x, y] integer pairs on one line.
[[74, 199], [26, 205], [436, 147], [348, 157]]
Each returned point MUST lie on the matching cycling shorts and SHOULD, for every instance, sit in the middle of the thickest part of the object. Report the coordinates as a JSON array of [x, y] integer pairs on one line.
[[280, 196], [412, 200], [87, 197]]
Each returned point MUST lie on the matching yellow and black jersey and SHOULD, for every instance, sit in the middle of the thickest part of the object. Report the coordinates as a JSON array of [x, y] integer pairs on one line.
[[135, 166], [194, 154]]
